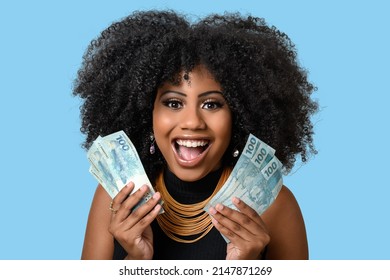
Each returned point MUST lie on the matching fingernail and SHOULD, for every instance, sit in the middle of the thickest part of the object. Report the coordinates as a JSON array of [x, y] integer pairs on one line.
[[212, 211], [214, 221], [236, 200], [219, 207]]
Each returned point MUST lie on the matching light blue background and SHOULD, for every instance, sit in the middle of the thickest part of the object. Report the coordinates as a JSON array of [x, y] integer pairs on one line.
[[46, 189]]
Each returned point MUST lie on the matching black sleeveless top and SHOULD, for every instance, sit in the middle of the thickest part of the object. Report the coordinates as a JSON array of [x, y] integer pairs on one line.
[[210, 247]]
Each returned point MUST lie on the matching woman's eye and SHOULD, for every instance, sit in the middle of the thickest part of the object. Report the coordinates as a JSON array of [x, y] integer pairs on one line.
[[212, 105], [173, 104]]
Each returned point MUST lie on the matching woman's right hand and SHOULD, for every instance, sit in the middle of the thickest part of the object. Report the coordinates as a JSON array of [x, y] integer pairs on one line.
[[132, 228]]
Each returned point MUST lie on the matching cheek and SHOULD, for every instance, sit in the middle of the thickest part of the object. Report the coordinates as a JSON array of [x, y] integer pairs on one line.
[[163, 122], [223, 131], [224, 125]]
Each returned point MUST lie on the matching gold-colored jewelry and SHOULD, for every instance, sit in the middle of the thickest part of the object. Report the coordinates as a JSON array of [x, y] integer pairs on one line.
[[112, 209], [185, 219]]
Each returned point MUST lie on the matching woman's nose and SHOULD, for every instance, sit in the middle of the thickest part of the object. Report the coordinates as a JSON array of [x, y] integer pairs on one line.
[[192, 119]]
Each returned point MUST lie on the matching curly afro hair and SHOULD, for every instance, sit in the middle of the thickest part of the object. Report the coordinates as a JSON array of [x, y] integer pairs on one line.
[[256, 65]]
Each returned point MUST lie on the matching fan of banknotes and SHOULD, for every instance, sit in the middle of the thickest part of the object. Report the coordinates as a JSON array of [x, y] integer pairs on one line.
[[256, 178], [115, 162]]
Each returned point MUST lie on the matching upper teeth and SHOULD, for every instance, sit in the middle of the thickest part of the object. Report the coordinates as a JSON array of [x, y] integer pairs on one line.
[[192, 143]]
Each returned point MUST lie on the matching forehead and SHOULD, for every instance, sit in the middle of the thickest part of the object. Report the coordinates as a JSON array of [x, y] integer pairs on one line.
[[199, 79]]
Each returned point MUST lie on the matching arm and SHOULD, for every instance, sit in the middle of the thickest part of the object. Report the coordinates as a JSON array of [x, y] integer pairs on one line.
[[286, 227], [98, 242]]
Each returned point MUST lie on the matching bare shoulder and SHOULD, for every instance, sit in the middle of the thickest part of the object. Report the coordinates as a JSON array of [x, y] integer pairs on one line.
[[286, 226], [285, 204]]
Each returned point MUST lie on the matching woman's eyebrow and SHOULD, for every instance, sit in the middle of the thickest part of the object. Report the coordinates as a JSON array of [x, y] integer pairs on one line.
[[200, 95], [173, 91], [210, 92]]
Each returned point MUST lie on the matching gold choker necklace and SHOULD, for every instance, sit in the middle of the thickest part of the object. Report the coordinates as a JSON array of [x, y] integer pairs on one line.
[[185, 219]]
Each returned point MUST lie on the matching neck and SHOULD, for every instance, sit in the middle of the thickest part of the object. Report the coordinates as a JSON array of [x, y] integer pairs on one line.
[[191, 192]]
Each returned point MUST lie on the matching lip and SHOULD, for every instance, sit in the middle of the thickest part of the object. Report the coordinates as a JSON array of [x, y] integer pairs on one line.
[[196, 161]]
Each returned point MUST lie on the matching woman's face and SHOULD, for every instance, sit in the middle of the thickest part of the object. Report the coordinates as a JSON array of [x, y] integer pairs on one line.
[[192, 125]]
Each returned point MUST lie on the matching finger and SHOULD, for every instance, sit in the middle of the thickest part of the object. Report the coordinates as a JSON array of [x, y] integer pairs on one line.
[[120, 197], [236, 224], [130, 202], [248, 211], [144, 215], [221, 218], [131, 228]]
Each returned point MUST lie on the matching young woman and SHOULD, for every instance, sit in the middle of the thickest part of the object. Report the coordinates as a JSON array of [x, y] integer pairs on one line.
[[198, 89]]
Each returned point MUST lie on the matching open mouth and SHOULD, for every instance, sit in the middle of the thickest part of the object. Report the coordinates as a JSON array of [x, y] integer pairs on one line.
[[189, 150]]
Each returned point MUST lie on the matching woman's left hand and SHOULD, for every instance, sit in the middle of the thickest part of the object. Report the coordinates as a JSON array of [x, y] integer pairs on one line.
[[245, 229]]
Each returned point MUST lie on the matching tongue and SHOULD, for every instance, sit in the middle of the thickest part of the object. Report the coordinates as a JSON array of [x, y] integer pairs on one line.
[[190, 153]]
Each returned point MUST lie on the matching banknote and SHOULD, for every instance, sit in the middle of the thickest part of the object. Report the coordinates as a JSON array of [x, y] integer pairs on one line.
[[100, 170], [256, 178], [115, 162]]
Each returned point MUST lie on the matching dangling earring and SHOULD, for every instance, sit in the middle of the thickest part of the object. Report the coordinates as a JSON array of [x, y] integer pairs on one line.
[[152, 149], [236, 153]]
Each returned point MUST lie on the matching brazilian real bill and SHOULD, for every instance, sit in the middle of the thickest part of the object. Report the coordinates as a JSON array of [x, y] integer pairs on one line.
[[256, 178], [115, 162]]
